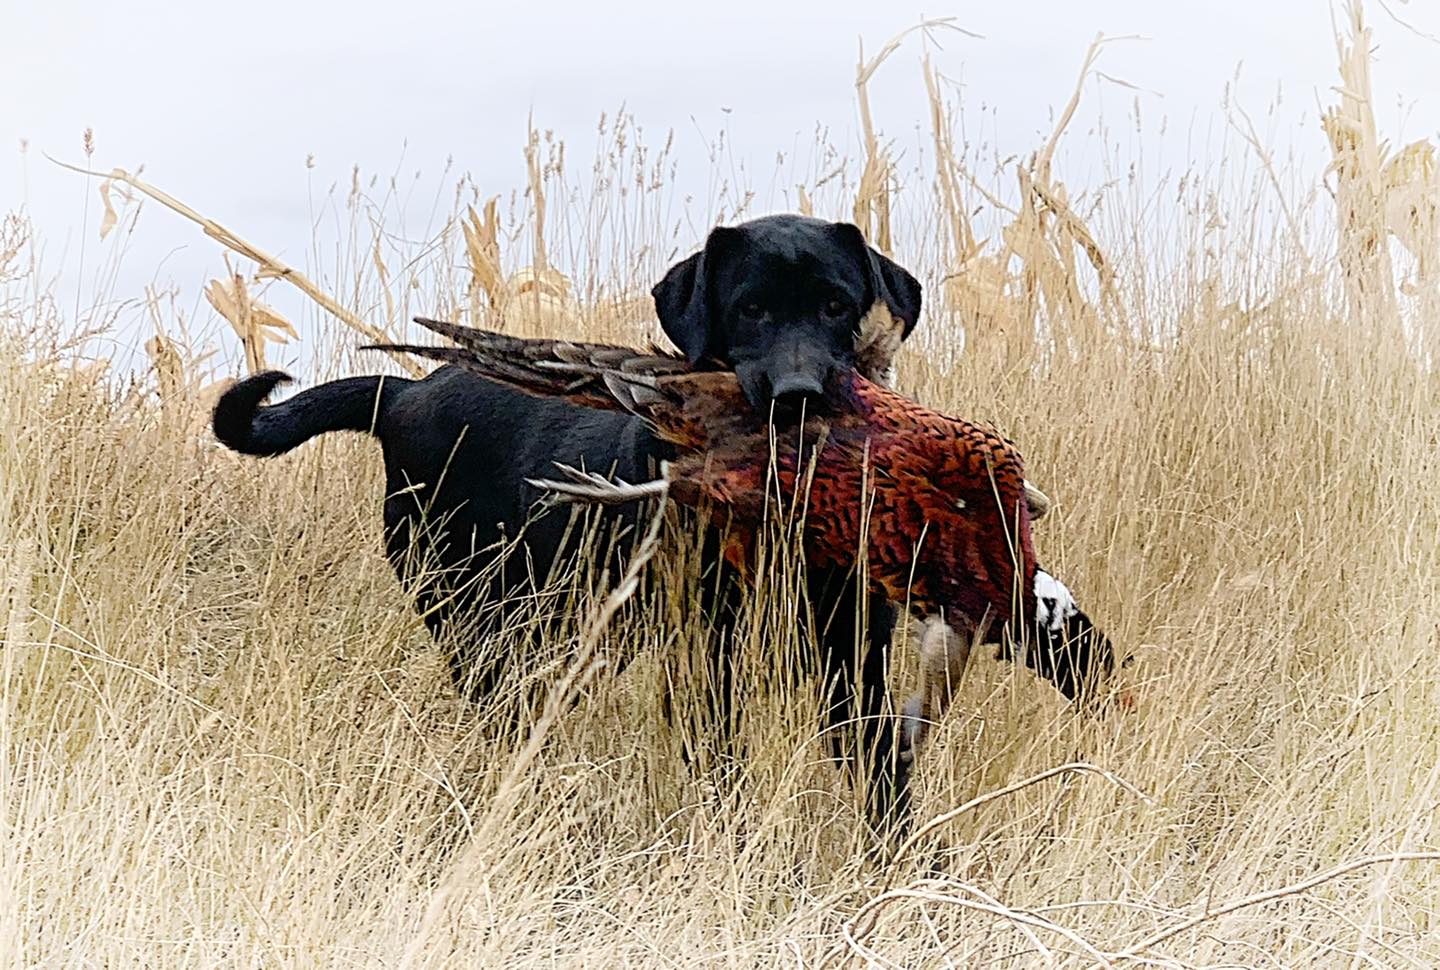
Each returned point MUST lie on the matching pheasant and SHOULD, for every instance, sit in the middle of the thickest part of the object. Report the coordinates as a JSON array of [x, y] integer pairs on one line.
[[936, 508]]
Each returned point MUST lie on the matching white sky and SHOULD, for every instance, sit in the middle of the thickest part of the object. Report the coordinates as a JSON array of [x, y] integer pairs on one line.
[[223, 103]]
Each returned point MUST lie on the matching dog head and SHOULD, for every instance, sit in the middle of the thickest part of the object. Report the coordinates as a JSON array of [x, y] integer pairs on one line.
[[790, 302]]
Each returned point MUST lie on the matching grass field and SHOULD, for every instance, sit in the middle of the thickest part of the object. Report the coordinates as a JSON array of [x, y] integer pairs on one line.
[[227, 741]]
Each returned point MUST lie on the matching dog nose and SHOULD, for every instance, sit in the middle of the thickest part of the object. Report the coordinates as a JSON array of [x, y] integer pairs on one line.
[[793, 389]]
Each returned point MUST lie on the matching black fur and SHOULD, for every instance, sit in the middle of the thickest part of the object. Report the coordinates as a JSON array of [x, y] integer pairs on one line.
[[242, 424], [779, 298]]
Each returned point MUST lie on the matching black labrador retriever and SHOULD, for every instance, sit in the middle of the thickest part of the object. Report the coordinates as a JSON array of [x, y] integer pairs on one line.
[[786, 300]]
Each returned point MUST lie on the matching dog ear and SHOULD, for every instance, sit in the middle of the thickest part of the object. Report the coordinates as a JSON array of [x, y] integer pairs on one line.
[[682, 298], [681, 306], [899, 290], [890, 281]]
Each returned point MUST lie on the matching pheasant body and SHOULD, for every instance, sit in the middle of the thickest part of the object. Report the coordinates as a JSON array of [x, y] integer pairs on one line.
[[934, 506]]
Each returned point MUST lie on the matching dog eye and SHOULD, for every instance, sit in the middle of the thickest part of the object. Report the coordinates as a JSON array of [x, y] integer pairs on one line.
[[752, 311], [835, 310]]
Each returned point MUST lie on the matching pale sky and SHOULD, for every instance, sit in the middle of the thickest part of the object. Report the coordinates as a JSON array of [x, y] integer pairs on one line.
[[223, 103]]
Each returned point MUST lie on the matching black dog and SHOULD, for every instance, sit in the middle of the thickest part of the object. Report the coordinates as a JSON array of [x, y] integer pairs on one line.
[[780, 299]]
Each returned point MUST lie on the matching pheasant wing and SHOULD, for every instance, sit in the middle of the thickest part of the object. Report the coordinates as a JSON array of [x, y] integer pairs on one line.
[[691, 409], [578, 356], [549, 368]]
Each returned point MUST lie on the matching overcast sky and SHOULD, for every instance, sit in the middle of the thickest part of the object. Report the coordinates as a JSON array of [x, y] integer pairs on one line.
[[223, 103]]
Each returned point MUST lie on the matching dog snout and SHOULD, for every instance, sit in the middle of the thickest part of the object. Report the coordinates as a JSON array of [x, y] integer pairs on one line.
[[797, 385], [797, 371], [794, 389]]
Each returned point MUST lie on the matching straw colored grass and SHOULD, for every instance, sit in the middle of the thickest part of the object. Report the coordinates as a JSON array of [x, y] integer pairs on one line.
[[226, 741]]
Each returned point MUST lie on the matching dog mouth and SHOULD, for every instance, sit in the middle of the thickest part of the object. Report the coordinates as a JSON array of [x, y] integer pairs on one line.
[[793, 405], [786, 396]]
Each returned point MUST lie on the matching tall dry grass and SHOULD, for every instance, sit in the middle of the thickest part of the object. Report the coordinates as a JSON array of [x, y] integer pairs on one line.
[[226, 741]]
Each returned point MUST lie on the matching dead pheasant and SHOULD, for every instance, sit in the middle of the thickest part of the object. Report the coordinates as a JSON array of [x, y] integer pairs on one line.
[[937, 506]]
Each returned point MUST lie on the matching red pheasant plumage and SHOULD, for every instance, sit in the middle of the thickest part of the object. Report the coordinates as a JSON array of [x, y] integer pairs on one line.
[[936, 504]]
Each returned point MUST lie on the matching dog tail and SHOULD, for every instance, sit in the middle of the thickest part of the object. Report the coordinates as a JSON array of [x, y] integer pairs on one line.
[[243, 423]]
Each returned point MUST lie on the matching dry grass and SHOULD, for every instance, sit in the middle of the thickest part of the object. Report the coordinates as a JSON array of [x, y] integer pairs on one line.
[[227, 742]]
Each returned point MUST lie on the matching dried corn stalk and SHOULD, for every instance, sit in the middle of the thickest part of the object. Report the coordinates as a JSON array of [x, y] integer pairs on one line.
[[872, 195], [877, 178], [1047, 230], [186, 400], [1359, 184], [947, 177], [537, 193], [803, 205], [1378, 195], [534, 301], [996, 297], [270, 266], [169, 369], [1045, 235], [979, 286], [187, 395], [255, 322], [482, 250], [539, 300], [1411, 182], [109, 217]]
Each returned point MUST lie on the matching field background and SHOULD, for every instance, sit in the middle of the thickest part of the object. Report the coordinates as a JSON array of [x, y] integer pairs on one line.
[[227, 741]]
